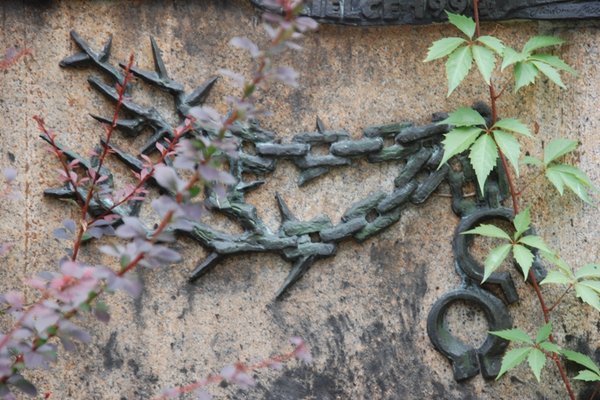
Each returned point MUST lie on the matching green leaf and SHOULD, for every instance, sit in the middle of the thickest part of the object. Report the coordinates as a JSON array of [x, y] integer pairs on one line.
[[594, 285], [532, 161], [458, 66], [483, 158], [581, 359], [522, 221], [556, 277], [194, 191], [465, 24], [550, 347], [535, 241], [513, 125], [559, 262], [494, 259], [513, 358], [576, 172], [558, 148], [550, 72], [588, 271], [124, 260], [538, 42], [525, 74], [555, 177], [493, 43], [587, 376], [485, 60], [464, 116], [553, 61], [510, 147], [511, 57], [524, 258], [587, 295], [577, 187], [514, 335], [488, 231], [536, 360], [544, 333], [443, 47], [458, 140]]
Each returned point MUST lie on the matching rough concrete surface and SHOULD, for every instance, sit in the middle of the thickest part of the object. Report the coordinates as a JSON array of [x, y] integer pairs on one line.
[[363, 312]]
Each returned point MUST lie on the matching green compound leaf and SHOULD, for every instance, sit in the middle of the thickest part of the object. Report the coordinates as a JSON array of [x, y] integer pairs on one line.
[[458, 140], [581, 359], [513, 358], [493, 43], [465, 24], [536, 360], [557, 277], [510, 147], [525, 74], [443, 47], [485, 60], [511, 57], [457, 67], [524, 258], [522, 221], [588, 376], [553, 61], [544, 333], [587, 295], [464, 116], [495, 259], [550, 72], [483, 158], [536, 242], [558, 148], [559, 262], [488, 230], [588, 271], [514, 335], [513, 125], [538, 42]]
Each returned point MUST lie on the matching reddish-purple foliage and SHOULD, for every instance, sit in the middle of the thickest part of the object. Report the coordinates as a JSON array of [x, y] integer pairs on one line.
[[76, 287]]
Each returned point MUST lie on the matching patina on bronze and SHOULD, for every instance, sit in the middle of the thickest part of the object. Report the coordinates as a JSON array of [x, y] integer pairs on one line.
[[415, 12], [417, 149]]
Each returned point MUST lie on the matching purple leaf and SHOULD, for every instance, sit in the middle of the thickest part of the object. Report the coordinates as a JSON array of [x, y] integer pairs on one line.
[[301, 352], [286, 75], [70, 225], [167, 177], [246, 44], [61, 234], [23, 385], [238, 79], [10, 174], [304, 24], [211, 174], [132, 228], [202, 394]]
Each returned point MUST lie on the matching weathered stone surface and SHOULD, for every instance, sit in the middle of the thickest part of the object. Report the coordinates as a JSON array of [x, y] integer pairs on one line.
[[364, 311]]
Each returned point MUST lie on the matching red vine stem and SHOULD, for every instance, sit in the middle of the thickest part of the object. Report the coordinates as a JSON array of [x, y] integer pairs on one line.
[[106, 148], [515, 200]]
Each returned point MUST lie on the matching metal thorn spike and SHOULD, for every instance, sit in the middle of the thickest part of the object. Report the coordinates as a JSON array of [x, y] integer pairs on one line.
[[320, 125], [286, 213], [199, 95], [159, 65], [300, 267], [105, 53], [76, 60], [130, 127], [206, 265]]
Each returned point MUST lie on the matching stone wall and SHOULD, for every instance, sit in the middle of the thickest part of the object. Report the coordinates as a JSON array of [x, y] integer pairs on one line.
[[363, 312]]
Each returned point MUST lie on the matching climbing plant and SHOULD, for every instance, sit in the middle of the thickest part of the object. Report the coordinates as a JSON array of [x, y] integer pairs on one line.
[[493, 143]]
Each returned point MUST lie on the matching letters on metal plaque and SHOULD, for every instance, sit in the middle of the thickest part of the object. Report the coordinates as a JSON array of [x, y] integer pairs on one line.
[[416, 149], [400, 12]]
